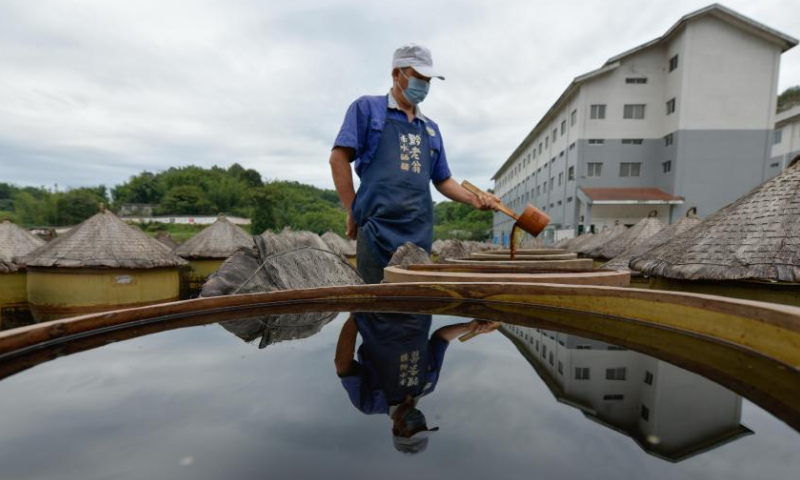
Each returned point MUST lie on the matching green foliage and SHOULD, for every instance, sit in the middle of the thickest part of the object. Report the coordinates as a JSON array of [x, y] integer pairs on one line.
[[185, 200], [279, 204], [214, 190], [31, 206], [789, 98], [457, 220], [193, 190]]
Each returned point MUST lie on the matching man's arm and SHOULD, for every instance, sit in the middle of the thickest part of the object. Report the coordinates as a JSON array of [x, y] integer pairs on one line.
[[346, 348], [451, 332], [454, 191], [343, 180]]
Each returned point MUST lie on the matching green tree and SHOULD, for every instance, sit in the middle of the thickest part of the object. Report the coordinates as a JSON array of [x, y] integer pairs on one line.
[[186, 200]]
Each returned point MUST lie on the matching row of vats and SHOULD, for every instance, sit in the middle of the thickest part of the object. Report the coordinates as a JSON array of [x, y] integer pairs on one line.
[[750, 248], [104, 263]]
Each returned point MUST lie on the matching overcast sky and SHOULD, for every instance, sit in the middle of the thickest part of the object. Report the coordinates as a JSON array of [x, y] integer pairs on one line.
[[94, 91]]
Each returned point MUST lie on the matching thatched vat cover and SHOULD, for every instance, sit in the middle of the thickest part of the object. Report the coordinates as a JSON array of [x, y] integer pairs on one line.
[[574, 244], [289, 240], [436, 248], [755, 238], [15, 242], [219, 240], [166, 239], [251, 270], [103, 241], [600, 239], [342, 246], [409, 254], [637, 234], [621, 261]]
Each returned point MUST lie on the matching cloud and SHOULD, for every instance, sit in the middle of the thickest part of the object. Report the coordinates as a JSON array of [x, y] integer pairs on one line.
[[93, 92]]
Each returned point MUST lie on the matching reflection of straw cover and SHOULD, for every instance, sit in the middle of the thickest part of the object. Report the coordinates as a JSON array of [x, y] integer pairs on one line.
[[418, 442]]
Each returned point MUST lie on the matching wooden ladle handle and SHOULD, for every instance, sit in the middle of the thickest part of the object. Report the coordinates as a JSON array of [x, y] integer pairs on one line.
[[477, 191]]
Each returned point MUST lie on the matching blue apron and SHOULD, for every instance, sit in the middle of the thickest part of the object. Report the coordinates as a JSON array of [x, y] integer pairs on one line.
[[395, 351], [393, 205]]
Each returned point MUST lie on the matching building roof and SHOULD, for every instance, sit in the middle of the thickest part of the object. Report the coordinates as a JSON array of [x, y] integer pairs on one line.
[[104, 241], [622, 196], [787, 116], [755, 238], [716, 10]]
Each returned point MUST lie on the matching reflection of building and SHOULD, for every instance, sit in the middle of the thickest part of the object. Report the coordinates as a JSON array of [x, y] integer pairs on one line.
[[671, 413]]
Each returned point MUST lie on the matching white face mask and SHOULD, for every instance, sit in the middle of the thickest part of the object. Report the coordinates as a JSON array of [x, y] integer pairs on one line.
[[417, 89]]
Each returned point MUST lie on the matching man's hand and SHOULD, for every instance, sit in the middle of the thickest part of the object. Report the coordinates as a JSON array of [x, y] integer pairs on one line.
[[482, 326], [487, 202], [351, 228]]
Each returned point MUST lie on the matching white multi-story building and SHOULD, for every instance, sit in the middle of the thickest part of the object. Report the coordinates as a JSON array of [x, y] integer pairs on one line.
[[669, 412], [786, 140], [684, 120]]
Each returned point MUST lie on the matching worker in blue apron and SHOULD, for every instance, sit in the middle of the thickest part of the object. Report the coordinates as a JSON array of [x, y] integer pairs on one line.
[[396, 151], [398, 363]]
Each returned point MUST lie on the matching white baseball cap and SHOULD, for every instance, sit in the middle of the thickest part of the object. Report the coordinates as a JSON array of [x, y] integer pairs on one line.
[[417, 57]]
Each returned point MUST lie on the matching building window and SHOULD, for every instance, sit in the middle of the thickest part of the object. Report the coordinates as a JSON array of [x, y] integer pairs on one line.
[[561, 368], [555, 134], [552, 182], [667, 166], [551, 205], [583, 347], [537, 345], [594, 169], [668, 140], [636, 80], [572, 146], [670, 106], [546, 142], [544, 351], [645, 413], [563, 127], [569, 199], [774, 165], [551, 359], [552, 160], [597, 112], [629, 169], [778, 137], [561, 154], [633, 111], [596, 141], [559, 203], [632, 141], [573, 118], [540, 147], [538, 190], [648, 378], [544, 187], [581, 373], [614, 397], [673, 63], [615, 373], [560, 178]]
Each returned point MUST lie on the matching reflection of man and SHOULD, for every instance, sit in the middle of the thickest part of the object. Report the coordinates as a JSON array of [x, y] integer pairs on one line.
[[397, 365]]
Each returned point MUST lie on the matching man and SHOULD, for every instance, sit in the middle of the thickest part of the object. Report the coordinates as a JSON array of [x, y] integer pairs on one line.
[[397, 365], [397, 151]]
